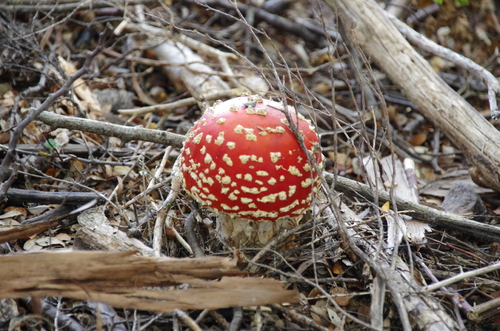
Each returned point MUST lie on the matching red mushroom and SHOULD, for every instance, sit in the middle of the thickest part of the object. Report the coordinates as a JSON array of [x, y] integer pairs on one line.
[[242, 160]]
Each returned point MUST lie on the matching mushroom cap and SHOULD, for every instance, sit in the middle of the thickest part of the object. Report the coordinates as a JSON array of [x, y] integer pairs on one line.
[[241, 158]]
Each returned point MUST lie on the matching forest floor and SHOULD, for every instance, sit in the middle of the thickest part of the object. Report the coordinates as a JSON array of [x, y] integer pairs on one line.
[[107, 186]]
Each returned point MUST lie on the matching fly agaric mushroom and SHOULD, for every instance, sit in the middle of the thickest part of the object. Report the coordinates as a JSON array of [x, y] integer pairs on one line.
[[242, 160]]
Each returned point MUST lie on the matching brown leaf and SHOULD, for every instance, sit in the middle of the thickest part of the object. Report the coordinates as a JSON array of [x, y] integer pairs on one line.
[[418, 139], [341, 296]]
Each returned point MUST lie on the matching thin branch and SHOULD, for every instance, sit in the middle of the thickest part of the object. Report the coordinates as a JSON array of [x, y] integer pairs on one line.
[[462, 276], [113, 130]]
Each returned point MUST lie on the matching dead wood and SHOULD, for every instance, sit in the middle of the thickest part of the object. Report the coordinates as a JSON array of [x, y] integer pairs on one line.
[[97, 233], [385, 45], [17, 196], [418, 211], [108, 129], [425, 310], [120, 280]]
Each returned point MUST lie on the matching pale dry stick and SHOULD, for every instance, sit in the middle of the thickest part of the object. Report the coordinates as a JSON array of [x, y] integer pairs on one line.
[[162, 215], [160, 168], [484, 310], [341, 216], [462, 276], [165, 220], [430, 46], [146, 192], [159, 63], [223, 57], [169, 107], [459, 301], [187, 320]]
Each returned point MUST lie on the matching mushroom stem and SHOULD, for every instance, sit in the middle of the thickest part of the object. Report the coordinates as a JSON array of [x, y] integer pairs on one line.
[[238, 232]]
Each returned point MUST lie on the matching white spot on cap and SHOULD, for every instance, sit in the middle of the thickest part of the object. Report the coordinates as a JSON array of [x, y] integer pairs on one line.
[[248, 177], [262, 173], [268, 198], [272, 181], [253, 190], [220, 139], [228, 160], [203, 149], [244, 158], [208, 138], [294, 171], [246, 201], [239, 129], [289, 207], [208, 158], [261, 110], [291, 190], [198, 137], [306, 183], [275, 156], [231, 144], [221, 120], [249, 135]]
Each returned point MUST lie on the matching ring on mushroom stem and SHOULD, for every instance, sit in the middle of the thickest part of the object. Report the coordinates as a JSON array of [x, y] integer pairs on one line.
[[242, 161]]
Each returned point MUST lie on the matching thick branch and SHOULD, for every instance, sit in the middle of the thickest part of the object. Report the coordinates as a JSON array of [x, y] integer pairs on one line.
[[463, 125]]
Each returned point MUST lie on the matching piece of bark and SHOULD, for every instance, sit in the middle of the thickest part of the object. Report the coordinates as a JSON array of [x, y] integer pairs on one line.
[[388, 49], [123, 280], [97, 233]]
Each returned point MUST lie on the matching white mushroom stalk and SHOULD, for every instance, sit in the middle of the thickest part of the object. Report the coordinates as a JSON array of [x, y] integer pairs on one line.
[[242, 161]]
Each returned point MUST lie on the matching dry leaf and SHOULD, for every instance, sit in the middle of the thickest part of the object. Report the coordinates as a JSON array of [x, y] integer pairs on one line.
[[341, 296], [418, 139], [338, 268]]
